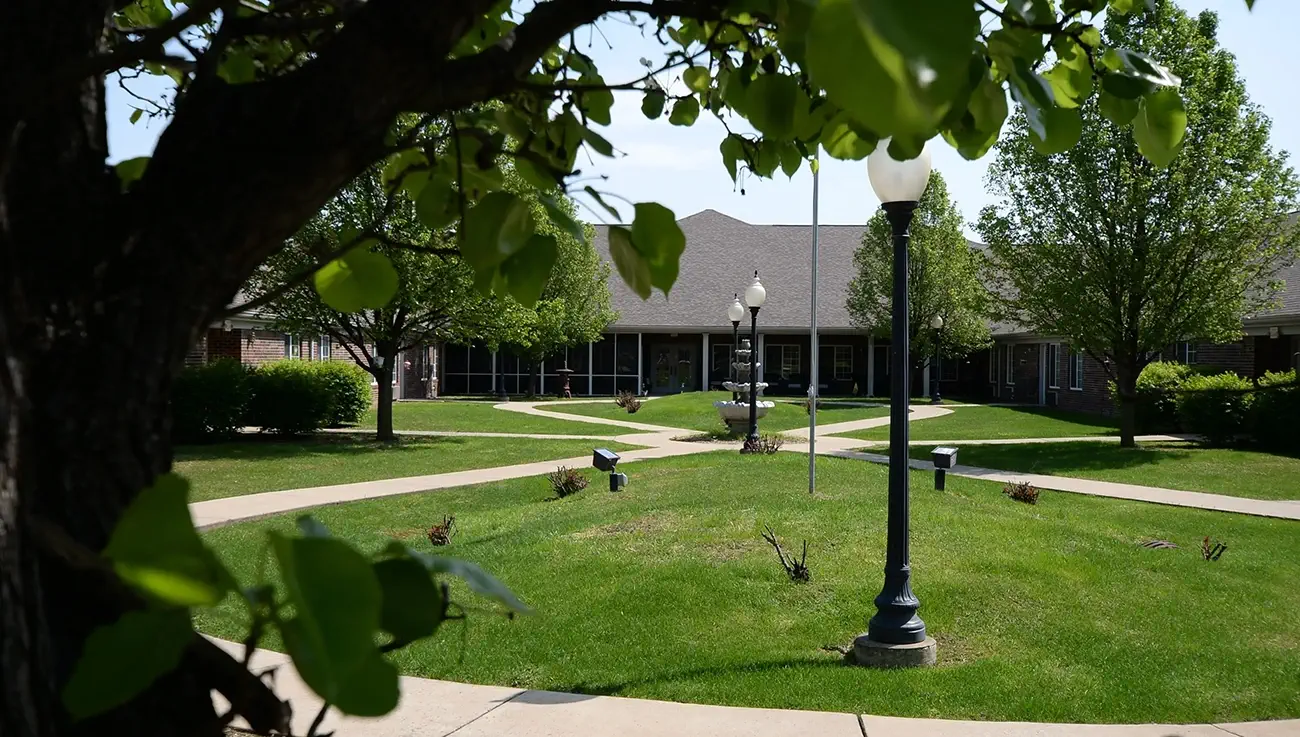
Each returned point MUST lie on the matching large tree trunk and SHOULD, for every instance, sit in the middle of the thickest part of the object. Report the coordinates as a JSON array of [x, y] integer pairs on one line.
[[384, 406], [1126, 385]]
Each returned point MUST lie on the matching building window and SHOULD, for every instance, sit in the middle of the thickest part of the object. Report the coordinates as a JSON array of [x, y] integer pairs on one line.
[[721, 359], [993, 365], [1011, 366], [1053, 366], [789, 360], [948, 369], [324, 347], [843, 362], [292, 347], [1076, 370], [1187, 352]]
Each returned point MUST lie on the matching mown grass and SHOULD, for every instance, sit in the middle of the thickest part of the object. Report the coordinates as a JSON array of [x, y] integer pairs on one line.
[[987, 423], [695, 411], [460, 415], [1184, 466], [665, 590], [270, 464]]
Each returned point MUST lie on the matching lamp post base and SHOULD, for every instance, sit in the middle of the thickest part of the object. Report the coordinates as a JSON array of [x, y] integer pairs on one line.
[[871, 654], [751, 446]]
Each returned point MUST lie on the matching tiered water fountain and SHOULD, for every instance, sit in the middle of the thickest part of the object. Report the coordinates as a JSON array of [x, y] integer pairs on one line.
[[736, 412]]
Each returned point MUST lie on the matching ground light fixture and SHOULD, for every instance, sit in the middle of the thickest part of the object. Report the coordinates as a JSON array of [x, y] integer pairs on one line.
[[735, 313], [936, 323], [896, 636], [944, 458], [755, 296], [606, 460]]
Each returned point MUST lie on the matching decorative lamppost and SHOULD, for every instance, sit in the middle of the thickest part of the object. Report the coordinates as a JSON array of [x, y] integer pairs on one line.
[[896, 636], [937, 323], [735, 313], [755, 296]]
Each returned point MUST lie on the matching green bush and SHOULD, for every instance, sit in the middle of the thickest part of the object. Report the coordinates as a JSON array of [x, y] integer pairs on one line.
[[290, 397], [1157, 405], [209, 401], [1277, 413], [1217, 407], [349, 385]]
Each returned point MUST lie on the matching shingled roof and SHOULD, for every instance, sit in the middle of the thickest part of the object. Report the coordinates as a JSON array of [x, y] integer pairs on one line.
[[1288, 300], [721, 256]]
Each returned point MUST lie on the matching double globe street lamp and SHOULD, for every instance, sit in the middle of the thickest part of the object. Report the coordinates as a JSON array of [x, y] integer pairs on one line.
[[735, 313], [896, 636], [755, 296]]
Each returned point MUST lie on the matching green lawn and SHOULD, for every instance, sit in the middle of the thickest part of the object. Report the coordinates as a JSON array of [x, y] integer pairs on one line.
[[695, 411], [987, 423], [481, 417], [270, 464], [1047, 613], [1184, 466]]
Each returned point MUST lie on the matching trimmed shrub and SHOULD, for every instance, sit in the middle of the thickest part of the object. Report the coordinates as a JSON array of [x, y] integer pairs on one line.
[[209, 401], [1277, 413], [349, 385], [1022, 491], [566, 481], [1217, 407], [1157, 407], [628, 401], [290, 397]]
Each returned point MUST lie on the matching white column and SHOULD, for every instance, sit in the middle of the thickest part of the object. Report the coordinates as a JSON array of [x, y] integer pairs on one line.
[[762, 356], [871, 365], [541, 378], [639, 364], [494, 372], [1042, 374], [591, 369], [704, 366], [925, 378]]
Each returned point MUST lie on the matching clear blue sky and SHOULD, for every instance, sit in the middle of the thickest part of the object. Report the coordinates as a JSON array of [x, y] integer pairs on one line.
[[681, 167]]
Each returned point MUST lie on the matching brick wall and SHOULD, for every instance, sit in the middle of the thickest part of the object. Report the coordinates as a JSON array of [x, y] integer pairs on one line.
[[1095, 395], [198, 354], [224, 344], [1238, 356], [261, 346]]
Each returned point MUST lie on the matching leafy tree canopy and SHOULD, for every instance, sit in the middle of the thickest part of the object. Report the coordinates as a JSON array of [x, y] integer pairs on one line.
[[944, 279], [1100, 245]]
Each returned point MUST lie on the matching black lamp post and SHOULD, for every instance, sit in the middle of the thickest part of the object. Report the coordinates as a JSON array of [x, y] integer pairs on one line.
[[735, 311], [937, 324], [755, 296], [896, 636]]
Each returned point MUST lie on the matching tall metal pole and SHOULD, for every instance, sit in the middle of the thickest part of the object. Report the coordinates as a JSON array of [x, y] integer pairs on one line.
[[751, 440], [815, 382], [735, 329], [896, 620]]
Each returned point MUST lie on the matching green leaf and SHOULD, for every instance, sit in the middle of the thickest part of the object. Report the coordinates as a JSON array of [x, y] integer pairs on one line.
[[925, 45], [975, 132], [1160, 125], [697, 79], [360, 279], [1006, 45], [336, 603], [479, 581], [1033, 12], [1125, 7], [156, 549], [845, 141], [1063, 130], [771, 102], [1071, 78], [596, 103], [526, 272], [1133, 73], [790, 160], [135, 115], [130, 170], [373, 690], [598, 142], [1117, 110], [413, 606], [1034, 94], [121, 659], [652, 105], [395, 170], [591, 192], [563, 220], [495, 228], [733, 150], [436, 206], [238, 68], [659, 239], [685, 111], [631, 266]]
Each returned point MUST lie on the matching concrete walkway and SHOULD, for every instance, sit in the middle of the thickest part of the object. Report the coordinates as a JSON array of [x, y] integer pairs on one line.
[[432, 708], [436, 708]]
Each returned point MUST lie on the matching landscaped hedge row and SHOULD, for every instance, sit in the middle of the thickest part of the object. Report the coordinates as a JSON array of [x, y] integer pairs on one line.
[[1221, 407], [212, 401]]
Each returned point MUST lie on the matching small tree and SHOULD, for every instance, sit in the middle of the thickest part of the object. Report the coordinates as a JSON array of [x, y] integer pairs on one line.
[[943, 279], [435, 301], [1097, 245]]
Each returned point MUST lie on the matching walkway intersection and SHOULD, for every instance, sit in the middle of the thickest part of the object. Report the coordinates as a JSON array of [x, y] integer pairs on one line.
[[432, 708]]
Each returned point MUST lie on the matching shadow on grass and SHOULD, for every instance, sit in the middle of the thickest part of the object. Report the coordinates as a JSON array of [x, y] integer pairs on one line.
[[614, 689], [278, 446], [1064, 458], [1079, 418]]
